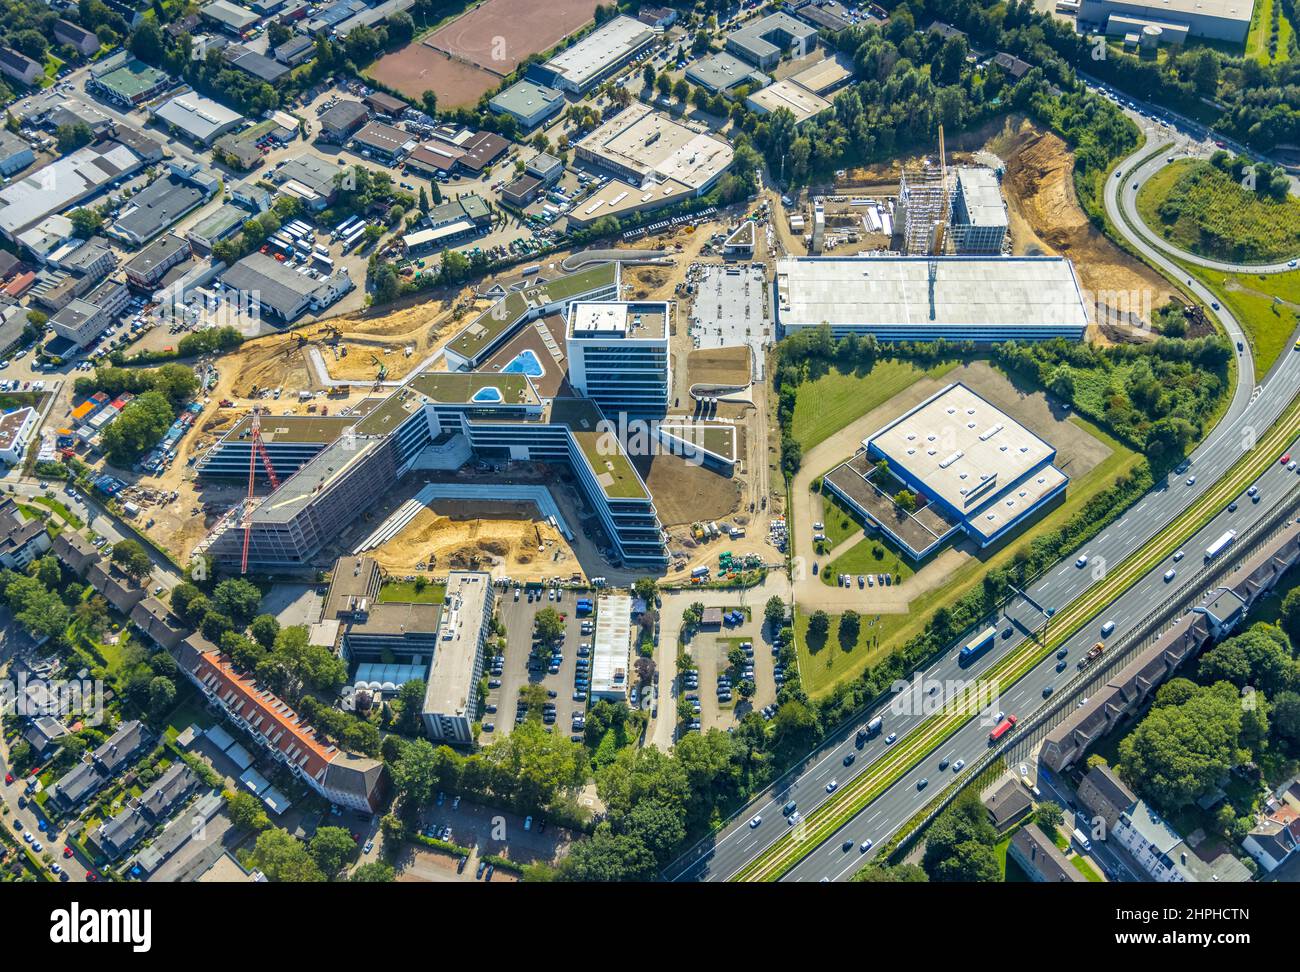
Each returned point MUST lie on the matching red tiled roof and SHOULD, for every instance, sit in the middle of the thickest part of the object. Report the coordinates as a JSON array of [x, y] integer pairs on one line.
[[265, 712]]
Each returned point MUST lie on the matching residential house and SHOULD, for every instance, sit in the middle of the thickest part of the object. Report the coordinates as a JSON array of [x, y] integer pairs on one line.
[[1041, 859], [21, 540], [84, 41], [20, 67]]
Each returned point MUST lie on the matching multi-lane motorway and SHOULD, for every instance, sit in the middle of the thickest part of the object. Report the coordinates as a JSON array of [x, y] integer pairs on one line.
[[1250, 414]]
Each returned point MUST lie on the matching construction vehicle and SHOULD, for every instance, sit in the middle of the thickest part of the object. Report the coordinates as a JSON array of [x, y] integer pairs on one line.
[[1094, 653]]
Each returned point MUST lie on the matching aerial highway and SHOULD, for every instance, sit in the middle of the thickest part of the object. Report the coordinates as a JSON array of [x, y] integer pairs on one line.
[[1250, 416]]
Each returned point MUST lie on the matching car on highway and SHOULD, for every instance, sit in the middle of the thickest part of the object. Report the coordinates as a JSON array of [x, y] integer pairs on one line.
[[1063, 652], [755, 820], [889, 740], [1252, 491], [830, 787], [1285, 459], [1048, 690], [1179, 555], [9, 778], [1082, 561], [1191, 480], [1107, 628], [849, 758], [1170, 574], [1290, 466], [943, 763], [864, 846], [846, 846], [793, 818], [1232, 507], [957, 766], [921, 784]]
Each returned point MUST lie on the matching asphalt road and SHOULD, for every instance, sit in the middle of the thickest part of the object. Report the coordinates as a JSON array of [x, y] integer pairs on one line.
[[1249, 415]]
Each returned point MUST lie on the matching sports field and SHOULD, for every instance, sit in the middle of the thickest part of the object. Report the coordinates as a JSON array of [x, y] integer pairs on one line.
[[498, 34], [415, 69]]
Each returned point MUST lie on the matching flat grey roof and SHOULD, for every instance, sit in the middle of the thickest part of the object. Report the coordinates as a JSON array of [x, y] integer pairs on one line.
[[965, 291], [526, 98], [983, 196], [753, 38], [723, 71], [451, 687], [275, 285], [604, 46]]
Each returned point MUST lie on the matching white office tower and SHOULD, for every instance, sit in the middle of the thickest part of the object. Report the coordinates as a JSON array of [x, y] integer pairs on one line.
[[618, 355]]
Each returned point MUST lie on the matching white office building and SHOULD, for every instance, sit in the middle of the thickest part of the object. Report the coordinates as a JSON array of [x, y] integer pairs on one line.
[[612, 647], [618, 354], [451, 694]]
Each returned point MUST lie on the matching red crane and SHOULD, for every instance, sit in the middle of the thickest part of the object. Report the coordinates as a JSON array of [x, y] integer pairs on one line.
[[258, 450]]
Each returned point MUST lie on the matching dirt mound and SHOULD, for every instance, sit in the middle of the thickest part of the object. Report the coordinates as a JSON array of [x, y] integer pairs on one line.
[[469, 535], [1045, 218], [648, 281]]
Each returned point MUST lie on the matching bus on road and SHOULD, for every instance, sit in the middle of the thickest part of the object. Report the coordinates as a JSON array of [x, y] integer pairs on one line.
[[978, 644]]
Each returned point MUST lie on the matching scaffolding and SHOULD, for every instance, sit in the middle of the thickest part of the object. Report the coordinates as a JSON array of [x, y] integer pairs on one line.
[[924, 198]]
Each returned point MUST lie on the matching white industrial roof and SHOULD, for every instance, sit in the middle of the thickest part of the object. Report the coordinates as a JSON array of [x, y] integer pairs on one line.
[[612, 646], [983, 196], [460, 631], [655, 146], [961, 448], [598, 50], [898, 291]]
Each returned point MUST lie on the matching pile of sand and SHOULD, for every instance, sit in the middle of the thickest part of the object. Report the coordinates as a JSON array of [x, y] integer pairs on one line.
[[466, 535]]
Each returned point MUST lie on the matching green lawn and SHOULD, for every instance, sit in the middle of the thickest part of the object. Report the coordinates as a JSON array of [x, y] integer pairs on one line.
[[1250, 299], [839, 522], [1214, 216], [405, 592], [1086, 869], [60, 509], [1261, 27], [823, 670], [829, 403], [870, 555]]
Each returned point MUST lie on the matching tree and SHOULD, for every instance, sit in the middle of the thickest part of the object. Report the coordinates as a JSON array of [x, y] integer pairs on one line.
[[137, 429], [549, 627], [905, 500], [375, 872], [850, 625], [774, 613], [264, 630], [131, 558], [409, 701], [646, 590], [281, 857], [1049, 816], [73, 137], [1286, 722], [959, 844], [238, 599], [245, 810], [1289, 618], [162, 696], [1178, 753], [875, 873], [86, 222], [331, 848], [819, 625], [1259, 656]]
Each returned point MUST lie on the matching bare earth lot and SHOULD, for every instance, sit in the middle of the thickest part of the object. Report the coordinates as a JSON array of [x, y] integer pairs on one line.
[[417, 68]]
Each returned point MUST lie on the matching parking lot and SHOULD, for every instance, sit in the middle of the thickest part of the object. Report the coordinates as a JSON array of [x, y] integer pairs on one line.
[[709, 650], [486, 831], [518, 618]]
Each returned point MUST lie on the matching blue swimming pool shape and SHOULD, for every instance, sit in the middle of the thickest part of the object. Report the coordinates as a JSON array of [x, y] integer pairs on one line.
[[488, 394], [525, 363]]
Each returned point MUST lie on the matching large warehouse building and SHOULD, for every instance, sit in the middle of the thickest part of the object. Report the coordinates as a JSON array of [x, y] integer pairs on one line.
[[658, 162], [594, 58], [971, 467], [960, 298], [1225, 20]]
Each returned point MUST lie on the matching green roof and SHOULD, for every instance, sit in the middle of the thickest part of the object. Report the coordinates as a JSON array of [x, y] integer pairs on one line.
[[602, 450], [132, 78], [502, 316], [460, 387]]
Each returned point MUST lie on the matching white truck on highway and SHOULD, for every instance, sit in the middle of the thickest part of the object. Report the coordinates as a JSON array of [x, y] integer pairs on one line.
[[1223, 543]]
